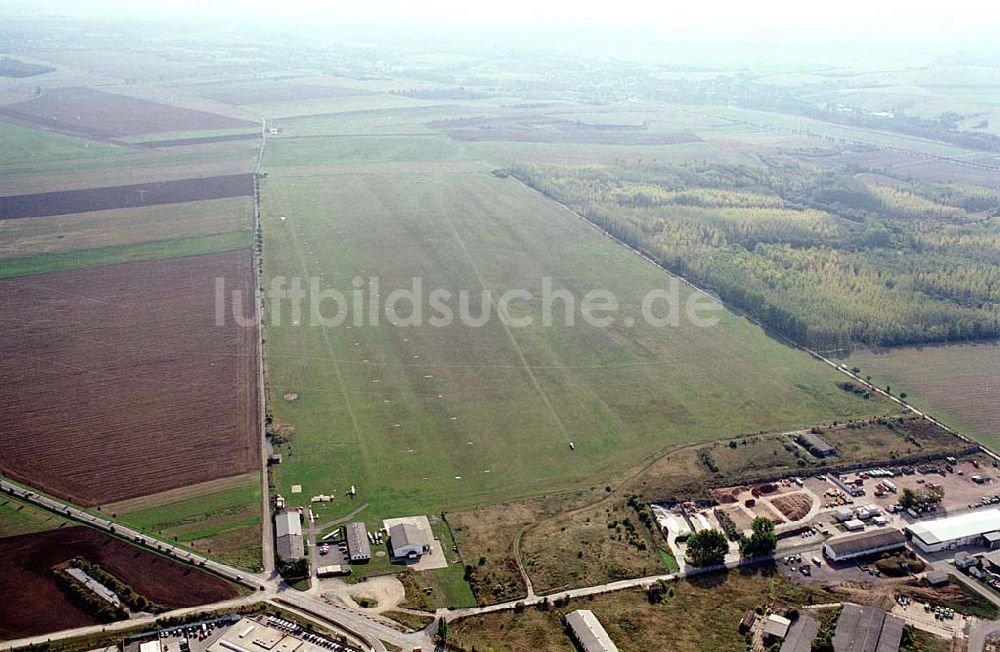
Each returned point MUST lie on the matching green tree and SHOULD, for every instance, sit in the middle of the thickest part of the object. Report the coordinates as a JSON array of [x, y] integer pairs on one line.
[[707, 548], [762, 540], [908, 498]]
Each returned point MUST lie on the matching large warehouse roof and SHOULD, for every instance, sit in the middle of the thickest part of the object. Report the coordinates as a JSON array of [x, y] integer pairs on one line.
[[855, 543], [588, 632], [957, 527]]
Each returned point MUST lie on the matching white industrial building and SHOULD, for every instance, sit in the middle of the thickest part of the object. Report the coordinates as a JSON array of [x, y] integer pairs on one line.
[[288, 536], [864, 543], [954, 531], [588, 632], [409, 541]]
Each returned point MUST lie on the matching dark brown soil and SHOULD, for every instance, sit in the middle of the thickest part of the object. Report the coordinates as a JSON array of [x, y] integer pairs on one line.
[[27, 561], [116, 381], [143, 194], [96, 114], [545, 129]]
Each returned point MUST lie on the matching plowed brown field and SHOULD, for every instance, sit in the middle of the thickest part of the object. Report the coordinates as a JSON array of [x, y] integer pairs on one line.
[[96, 114], [27, 560], [117, 383]]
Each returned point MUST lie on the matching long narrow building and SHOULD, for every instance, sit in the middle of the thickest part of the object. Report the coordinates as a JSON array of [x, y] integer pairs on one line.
[[588, 632]]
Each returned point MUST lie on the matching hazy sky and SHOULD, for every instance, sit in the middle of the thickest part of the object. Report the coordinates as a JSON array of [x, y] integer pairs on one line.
[[721, 16]]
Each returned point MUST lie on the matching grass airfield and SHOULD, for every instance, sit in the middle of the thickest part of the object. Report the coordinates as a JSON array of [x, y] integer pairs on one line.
[[420, 419]]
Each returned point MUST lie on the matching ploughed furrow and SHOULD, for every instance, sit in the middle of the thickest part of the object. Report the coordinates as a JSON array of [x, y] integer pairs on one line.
[[117, 382]]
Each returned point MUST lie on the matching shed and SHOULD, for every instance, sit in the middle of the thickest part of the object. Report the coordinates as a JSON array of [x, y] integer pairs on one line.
[[964, 560], [844, 514], [816, 444], [936, 578], [776, 626]]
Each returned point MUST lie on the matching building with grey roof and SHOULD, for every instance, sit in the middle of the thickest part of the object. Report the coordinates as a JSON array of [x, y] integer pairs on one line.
[[358, 546], [816, 444], [800, 635], [867, 629], [409, 541], [288, 536], [588, 632], [863, 543]]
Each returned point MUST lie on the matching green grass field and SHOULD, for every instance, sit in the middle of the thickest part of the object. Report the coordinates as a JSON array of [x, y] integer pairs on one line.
[[224, 525], [284, 152], [18, 517], [26, 145], [62, 261], [425, 418], [957, 384]]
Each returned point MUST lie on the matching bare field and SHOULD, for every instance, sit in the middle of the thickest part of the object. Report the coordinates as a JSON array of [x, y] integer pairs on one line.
[[131, 196], [97, 114], [958, 384], [105, 367], [536, 128], [129, 166], [27, 561]]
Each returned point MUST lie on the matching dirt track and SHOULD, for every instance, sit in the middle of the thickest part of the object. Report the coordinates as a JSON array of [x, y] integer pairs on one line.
[[109, 198], [27, 561], [117, 383]]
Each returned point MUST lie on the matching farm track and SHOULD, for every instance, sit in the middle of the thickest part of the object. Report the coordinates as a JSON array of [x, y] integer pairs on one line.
[[266, 524]]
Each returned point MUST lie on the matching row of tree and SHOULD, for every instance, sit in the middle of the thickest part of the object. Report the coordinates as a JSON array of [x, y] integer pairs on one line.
[[709, 547], [823, 258]]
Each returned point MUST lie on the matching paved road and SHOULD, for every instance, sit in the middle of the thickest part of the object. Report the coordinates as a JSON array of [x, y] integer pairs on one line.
[[264, 585], [258, 582], [122, 625], [978, 635]]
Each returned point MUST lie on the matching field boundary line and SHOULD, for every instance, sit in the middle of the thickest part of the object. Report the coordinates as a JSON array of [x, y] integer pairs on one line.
[[266, 526]]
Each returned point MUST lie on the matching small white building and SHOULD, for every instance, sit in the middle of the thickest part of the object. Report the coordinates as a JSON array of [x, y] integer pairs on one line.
[[776, 626]]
